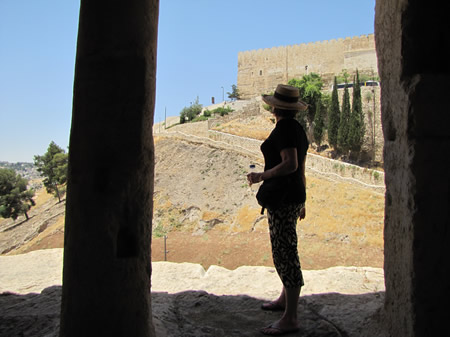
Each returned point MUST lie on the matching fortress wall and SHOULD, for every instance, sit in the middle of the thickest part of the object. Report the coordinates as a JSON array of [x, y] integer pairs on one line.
[[316, 57], [259, 71]]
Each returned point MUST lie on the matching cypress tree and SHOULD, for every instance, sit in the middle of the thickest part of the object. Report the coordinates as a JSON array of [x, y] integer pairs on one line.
[[334, 117], [318, 123], [357, 128], [344, 124]]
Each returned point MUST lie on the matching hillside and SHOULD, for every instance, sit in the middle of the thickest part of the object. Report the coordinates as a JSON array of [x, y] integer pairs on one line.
[[210, 216], [203, 191]]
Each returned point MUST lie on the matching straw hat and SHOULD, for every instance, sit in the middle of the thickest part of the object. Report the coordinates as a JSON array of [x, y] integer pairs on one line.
[[285, 97]]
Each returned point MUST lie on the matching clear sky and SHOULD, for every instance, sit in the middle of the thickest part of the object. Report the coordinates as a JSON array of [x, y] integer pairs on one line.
[[198, 46]]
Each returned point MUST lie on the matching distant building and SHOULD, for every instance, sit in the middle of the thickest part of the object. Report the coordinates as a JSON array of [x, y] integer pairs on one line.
[[259, 71]]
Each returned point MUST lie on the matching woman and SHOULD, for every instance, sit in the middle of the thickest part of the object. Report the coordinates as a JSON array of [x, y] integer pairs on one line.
[[284, 155]]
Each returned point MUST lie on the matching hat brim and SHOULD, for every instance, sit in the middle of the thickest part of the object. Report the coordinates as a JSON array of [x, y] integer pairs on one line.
[[279, 104]]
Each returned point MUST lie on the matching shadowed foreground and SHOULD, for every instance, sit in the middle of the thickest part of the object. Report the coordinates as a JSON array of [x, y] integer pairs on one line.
[[197, 313], [189, 301]]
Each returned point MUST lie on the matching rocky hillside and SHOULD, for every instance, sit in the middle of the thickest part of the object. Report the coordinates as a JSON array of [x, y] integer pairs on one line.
[[203, 203], [46, 222]]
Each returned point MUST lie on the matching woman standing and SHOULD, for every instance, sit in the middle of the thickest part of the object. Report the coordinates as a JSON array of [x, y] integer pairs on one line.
[[284, 155]]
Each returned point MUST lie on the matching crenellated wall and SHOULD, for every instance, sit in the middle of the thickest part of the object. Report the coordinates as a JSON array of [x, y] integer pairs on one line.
[[259, 71]]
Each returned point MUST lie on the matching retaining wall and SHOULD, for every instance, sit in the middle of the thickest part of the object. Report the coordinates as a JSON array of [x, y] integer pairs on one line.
[[316, 163]]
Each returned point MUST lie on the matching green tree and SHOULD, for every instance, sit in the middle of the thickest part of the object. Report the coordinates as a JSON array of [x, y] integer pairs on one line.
[[344, 123], [343, 76], [356, 125], [15, 198], [319, 123], [234, 94], [310, 87], [53, 167], [189, 113], [334, 117], [183, 116]]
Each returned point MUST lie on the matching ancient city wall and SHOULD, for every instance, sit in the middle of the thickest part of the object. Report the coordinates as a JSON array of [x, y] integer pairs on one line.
[[259, 71]]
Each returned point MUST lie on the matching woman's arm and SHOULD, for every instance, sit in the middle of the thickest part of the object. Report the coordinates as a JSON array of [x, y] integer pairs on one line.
[[289, 164], [303, 172]]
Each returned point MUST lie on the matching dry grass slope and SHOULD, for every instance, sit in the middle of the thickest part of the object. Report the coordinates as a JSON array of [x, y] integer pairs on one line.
[[205, 207]]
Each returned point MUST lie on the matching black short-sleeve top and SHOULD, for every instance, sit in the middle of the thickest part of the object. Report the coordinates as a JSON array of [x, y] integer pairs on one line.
[[288, 133]]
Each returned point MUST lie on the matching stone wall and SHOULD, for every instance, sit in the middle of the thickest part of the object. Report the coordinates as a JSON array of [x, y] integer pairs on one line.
[[249, 144], [318, 164], [247, 108], [259, 71]]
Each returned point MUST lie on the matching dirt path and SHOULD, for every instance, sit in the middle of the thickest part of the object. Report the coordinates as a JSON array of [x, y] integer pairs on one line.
[[253, 249], [249, 249]]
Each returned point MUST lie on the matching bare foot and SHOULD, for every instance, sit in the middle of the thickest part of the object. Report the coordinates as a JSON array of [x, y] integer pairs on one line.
[[272, 306], [276, 329]]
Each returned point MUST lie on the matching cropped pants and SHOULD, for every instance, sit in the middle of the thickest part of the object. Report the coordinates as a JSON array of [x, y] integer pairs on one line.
[[283, 238]]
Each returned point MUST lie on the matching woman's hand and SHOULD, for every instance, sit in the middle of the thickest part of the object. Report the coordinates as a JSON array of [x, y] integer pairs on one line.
[[302, 213], [254, 177]]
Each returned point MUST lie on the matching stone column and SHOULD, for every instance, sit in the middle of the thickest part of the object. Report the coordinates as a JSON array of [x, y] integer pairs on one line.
[[412, 43], [107, 265]]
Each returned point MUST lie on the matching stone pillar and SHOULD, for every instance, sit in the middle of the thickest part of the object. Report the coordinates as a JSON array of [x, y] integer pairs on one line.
[[107, 265], [412, 43]]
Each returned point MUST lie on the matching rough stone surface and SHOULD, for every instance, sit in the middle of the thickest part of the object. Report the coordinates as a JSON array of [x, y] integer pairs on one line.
[[31, 272], [189, 301], [413, 65]]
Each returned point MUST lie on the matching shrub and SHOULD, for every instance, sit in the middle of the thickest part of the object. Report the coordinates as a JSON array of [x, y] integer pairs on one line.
[[222, 111], [376, 175], [200, 118], [189, 113]]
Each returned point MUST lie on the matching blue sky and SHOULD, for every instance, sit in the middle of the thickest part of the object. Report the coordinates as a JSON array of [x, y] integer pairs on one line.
[[198, 45]]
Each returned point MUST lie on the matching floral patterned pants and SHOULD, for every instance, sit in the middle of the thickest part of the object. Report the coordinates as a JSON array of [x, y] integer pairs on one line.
[[283, 237]]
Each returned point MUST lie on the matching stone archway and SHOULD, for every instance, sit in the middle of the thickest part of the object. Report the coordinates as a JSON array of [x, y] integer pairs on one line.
[[108, 218], [412, 45]]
